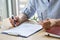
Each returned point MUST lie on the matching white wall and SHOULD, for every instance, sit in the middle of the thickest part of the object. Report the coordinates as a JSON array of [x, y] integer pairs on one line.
[[3, 10]]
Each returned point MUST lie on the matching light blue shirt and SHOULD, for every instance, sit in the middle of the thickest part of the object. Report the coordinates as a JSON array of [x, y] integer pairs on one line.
[[43, 8]]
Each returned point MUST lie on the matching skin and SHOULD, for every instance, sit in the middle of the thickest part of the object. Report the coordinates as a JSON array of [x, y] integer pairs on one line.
[[47, 24], [18, 19]]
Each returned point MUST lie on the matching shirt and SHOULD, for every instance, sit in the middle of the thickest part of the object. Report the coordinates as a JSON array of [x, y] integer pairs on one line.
[[44, 8]]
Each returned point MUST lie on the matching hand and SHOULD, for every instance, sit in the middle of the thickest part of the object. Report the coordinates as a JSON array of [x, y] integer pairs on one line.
[[46, 24], [16, 20], [49, 23]]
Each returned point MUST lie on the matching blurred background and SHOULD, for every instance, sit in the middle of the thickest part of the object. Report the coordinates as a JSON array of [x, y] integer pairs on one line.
[[13, 7]]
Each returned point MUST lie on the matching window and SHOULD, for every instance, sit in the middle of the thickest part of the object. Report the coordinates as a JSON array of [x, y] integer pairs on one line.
[[3, 9], [21, 4], [16, 6], [12, 7]]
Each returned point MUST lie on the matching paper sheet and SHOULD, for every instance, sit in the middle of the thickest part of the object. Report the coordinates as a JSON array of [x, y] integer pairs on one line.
[[25, 29]]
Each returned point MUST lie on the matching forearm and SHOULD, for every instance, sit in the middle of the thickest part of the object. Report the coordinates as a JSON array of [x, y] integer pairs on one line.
[[58, 22], [22, 18]]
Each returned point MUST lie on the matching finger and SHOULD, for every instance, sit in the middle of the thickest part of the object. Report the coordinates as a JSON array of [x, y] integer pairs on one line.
[[16, 18], [40, 22], [11, 21], [48, 19], [46, 25], [43, 22], [17, 23]]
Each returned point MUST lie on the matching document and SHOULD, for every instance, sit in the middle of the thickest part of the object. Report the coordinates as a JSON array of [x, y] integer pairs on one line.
[[24, 30]]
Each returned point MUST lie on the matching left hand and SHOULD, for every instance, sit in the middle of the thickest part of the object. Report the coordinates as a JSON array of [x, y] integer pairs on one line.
[[49, 23], [46, 24]]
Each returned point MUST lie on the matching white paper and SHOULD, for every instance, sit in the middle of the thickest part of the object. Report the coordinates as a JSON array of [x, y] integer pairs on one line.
[[25, 29]]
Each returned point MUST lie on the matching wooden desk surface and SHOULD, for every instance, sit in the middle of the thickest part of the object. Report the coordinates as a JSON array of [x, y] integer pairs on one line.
[[37, 36]]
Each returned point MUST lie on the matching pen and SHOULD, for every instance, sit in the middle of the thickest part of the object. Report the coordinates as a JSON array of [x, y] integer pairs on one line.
[[14, 21], [42, 17]]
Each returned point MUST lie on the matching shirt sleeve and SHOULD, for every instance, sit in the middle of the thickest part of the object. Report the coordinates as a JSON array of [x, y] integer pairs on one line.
[[30, 9]]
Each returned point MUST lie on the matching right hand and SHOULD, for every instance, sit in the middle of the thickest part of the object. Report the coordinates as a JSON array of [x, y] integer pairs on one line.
[[16, 19]]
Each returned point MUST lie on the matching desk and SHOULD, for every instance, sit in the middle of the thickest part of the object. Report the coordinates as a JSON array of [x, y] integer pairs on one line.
[[37, 36]]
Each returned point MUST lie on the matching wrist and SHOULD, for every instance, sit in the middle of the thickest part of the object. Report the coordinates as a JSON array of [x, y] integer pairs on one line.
[[22, 18]]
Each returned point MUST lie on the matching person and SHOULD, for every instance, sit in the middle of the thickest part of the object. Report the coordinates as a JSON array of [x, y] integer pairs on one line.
[[46, 9]]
